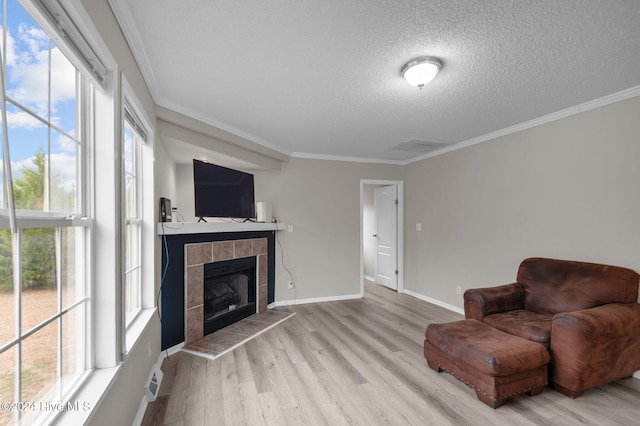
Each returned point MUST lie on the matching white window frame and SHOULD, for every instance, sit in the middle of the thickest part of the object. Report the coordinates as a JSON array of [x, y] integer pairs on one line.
[[81, 220], [107, 339], [82, 307], [132, 243], [146, 217]]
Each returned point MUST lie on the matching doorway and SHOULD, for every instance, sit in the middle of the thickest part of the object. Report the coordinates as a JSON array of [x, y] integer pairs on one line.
[[381, 248]]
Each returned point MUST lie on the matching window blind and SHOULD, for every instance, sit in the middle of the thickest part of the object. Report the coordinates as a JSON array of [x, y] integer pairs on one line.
[[62, 23], [135, 122]]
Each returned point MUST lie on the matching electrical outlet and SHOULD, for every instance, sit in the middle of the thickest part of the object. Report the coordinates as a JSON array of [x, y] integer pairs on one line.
[[458, 290], [290, 284], [290, 228]]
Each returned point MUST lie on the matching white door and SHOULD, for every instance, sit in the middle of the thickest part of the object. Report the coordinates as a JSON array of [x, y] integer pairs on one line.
[[386, 210]]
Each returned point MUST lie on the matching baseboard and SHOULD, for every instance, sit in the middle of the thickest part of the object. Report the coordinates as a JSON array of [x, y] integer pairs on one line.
[[368, 278], [315, 300], [137, 421], [359, 296], [172, 350], [435, 302]]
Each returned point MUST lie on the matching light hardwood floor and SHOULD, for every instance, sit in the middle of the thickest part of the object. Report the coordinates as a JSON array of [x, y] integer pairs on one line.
[[358, 362]]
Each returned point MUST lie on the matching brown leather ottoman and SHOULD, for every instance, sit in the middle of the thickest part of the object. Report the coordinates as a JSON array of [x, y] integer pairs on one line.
[[496, 364]]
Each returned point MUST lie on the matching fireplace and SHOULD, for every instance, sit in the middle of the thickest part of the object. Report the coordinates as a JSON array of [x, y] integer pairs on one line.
[[209, 259], [229, 292]]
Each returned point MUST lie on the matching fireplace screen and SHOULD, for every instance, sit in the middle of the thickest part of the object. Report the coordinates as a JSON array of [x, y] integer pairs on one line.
[[224, 294], [229, 292]]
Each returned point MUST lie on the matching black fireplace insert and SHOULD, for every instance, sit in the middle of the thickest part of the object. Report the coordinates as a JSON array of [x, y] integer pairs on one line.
[[229, 292]]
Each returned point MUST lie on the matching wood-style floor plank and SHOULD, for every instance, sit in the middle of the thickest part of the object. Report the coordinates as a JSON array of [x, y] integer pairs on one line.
[[175, 411], [358, 362], [271, 411], [231, 397], [194, 410], [213, 393]]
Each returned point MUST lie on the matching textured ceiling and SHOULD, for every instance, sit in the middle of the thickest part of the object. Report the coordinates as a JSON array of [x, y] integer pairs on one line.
[[322, 78]]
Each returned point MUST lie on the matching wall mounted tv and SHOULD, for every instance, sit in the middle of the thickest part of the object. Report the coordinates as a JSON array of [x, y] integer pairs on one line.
[[222, 192]]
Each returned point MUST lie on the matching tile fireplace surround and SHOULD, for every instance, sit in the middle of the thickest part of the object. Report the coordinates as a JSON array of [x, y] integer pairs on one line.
[[199, 254]]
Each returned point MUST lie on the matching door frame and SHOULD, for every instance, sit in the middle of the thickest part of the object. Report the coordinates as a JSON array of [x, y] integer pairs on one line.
[[399, 229]]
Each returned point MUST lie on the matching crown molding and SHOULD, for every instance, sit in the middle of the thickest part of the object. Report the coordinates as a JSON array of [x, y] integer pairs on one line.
[[578, 109], [124, 16], [568, 112], [312, 156]]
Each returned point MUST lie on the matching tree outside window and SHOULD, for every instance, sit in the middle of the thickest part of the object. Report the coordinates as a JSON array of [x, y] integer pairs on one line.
[[42, 298]]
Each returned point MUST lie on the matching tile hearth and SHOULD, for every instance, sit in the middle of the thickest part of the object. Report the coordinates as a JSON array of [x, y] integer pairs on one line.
[[226, 339]]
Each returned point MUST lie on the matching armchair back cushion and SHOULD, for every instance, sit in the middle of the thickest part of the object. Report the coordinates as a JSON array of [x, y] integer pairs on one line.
[[552, 286]]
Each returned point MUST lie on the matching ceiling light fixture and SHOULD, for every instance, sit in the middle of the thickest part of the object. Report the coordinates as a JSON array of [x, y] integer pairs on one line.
[[421, 71]]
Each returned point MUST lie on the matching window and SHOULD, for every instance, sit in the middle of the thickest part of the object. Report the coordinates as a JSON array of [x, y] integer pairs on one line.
[[44, 290], [138, 218], [42, 111], [132, 167]]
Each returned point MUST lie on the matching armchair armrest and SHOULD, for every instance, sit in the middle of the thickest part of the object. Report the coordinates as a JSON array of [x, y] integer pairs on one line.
[[480, 302], [594, 346]]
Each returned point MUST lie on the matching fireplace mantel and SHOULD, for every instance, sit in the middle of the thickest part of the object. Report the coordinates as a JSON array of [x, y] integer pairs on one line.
[[181, 228]]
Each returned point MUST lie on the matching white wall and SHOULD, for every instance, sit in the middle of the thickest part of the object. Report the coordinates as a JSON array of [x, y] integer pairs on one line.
[[568, 189], [184, 197], [165, 173], [123, 399]]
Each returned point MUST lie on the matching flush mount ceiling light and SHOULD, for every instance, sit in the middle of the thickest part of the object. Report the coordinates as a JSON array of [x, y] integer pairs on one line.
[[421, 71]]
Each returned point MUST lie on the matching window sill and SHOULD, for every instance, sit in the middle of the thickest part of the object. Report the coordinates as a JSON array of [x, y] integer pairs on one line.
[[98, 383], [137, 327], [88, 397]]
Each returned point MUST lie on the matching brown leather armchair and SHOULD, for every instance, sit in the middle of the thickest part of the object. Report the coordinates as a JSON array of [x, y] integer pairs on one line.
[[586, 314]]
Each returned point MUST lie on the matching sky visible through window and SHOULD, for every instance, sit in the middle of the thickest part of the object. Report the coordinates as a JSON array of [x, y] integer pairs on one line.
[[42, 80]]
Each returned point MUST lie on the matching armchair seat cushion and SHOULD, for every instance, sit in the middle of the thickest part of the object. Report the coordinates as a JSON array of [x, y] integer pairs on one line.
[[526, 324]]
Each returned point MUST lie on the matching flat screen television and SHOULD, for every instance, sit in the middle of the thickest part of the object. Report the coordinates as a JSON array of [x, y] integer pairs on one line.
[[222, 192]]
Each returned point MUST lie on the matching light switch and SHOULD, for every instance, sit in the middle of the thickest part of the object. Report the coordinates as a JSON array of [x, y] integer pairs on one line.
[[418, 227]]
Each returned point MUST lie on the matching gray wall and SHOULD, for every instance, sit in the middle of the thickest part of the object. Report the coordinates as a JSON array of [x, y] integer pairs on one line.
[[568, 189], [321, 200]]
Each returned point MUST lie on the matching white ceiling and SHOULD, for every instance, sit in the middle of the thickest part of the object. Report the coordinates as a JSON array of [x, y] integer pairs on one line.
[[322, 79]]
